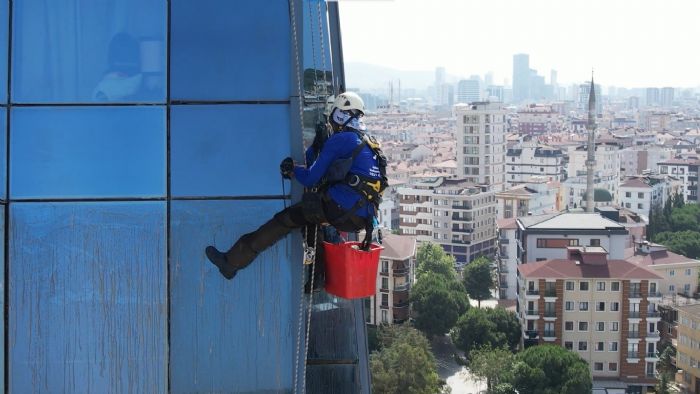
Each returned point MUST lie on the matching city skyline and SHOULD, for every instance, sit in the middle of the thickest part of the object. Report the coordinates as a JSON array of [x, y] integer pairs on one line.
[[632, 48]]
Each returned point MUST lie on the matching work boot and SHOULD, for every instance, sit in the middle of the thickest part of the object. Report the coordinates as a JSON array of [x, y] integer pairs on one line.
[[219, 260]]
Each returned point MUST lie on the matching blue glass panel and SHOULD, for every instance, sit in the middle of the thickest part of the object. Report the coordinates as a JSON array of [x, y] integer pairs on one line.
[[229, 336], [2, 290], [4, 30], [3, 153], [87, 51], [332, 379], [88, 298], [87, 152], [228, 150], [230, 50], [332, 334], [318, 68]]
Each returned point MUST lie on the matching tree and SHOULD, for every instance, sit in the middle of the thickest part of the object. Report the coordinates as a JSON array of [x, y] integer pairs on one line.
[[405, 364], [493, 365], [478, 279], [550, 369], [476, 329], [686, 242], [507, 323], [663, 386], [436, 305], [678, 200], [665, 364], [432, 258]]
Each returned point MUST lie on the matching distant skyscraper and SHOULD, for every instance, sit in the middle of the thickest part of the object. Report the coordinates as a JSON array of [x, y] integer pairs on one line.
[[494, 93], [653, 96], [667, 97], [488, 79], [553, 78], [521, 77], [583, 98], [440, 86], [468, 91]]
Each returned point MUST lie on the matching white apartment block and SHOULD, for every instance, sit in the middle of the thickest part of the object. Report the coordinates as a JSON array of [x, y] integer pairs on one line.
[[536, 197], [635, 160], [641, 194], [506, 259], [480, 134], [396, 270], [607, 168], [602, 309], [679, 273], [454, 213], [539, 119], [529, 159], [686, 170]]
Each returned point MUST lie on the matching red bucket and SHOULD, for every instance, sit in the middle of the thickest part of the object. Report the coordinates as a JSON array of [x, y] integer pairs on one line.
[[351, 273]]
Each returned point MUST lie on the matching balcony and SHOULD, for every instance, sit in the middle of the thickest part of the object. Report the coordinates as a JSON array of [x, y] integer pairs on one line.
[[550, 314], [532, 292], [401, 305], [654, 294], [463, 218], [532, 334], [652, 355], [549, 334], [504, 241], [633, 334], [400, 272], [462, 230], [634, 315], [532, 312], [635, 294], [653, 314], [550, 293], [462, 206], [653, 334], [384, 306], [632, 355], [401, 287]]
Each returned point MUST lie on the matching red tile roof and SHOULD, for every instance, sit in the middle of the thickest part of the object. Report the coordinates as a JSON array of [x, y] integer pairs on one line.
[[398, 247], [507, 224], [659, 257], [564, 269]]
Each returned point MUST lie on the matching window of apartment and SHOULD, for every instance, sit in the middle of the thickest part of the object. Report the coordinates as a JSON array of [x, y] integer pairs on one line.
[[385, 299], [569, 285], [600, 286], [583, 306], [385, 266], [569, 326], [650, 369], [615, 286], [583, 326], [597, 366], [612, 346], [540, 259], [640, 206], [385, 317], [672, 273], [568, 345], [549, 329], [569, 305], [600, 306], [582, 346], [640, 195], [600, 326], [614, 306], [595, 242], [671, 288], [687, 272], [583, 286], [614, 326], [628, 194], [600, 346], [556, 243], [635, 290], [385, 283], [612, 367]]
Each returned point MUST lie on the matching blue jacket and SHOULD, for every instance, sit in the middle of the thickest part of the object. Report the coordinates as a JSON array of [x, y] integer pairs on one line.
[[340, 146]]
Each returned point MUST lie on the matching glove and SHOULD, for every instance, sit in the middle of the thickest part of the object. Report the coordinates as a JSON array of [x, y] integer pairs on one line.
[[287, 168]]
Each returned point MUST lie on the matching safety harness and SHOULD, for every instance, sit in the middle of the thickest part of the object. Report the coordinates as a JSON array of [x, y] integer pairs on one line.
[[369, 189]]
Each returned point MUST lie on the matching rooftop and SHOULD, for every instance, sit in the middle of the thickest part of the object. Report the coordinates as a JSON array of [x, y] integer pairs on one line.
[[570, 221], [507, 224], [398, 247], [565, 269], [693, 310]]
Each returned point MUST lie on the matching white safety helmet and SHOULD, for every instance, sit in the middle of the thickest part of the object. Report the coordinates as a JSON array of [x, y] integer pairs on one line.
[[349, 101]]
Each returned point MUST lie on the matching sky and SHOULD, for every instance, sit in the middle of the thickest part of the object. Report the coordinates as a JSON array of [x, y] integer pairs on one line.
[[629, 43]]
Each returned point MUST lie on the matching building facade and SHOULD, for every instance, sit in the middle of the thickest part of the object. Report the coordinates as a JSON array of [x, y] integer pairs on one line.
[[688, 348], [480, 136], [603, 310], [529, 159], [454, 213], [394, 279], [686, 170]]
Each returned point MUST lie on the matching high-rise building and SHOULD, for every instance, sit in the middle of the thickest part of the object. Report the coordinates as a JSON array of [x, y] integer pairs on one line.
[[454, 213], [468, 91], [530, 159], [653, 97], [480, 135], [667, 94], [439, 85], [495, 93], [521, 77]]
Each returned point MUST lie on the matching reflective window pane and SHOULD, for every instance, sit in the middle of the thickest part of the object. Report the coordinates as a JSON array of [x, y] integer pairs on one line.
[[228, 150], [4, 30], [230, 50], [89, 298], [318, 68], [89, 51], [75, 152], [215, 323], [3, 153]]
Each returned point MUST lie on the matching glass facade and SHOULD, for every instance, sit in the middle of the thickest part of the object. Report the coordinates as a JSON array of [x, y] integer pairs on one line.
[[133, 133]]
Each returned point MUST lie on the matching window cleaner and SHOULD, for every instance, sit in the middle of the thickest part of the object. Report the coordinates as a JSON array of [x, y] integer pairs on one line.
[[349, 177]]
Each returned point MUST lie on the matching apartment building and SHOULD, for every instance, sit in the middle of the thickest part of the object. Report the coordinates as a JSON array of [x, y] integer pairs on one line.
[[606, 171], [480, 134], [603, 309], [535, 197], [688, 348], [679, 273], [529, 159], [506, 259], [455, 213], [538, 119], [635, 160], [686, 170], [642, 193], [546, 237], [396, 270]]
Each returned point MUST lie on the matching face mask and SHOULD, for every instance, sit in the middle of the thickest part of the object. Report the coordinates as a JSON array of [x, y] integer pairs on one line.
[[340, 117]]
